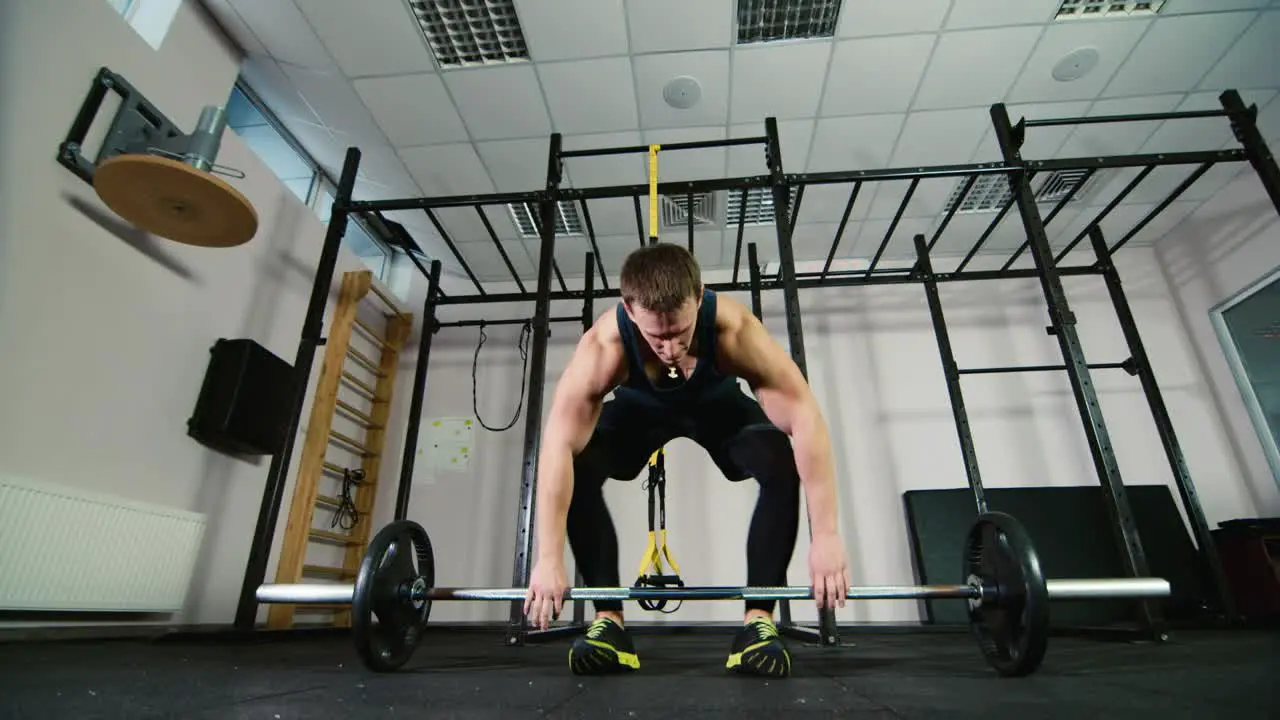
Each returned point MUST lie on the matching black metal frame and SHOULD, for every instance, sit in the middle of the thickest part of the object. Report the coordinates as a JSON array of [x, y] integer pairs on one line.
[[1048, 270]]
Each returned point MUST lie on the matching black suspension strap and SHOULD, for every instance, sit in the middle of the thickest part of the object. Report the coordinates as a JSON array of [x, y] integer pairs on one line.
[[347, 515], [526, 332], [657, 549]]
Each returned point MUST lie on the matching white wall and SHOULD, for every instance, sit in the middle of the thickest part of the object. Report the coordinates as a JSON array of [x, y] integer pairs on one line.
[[107, 330], [1227, 245], [874, 365]]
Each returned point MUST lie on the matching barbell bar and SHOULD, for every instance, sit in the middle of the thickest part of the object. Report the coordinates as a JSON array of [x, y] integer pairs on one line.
[[1006, 594], [1072, 589]]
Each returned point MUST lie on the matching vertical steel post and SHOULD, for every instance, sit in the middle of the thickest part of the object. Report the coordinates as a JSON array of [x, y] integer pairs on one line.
[[548, 207], [952, 373], [419, 390], [1245, 126], [312, 327], [829, 634], [588, 319], [1063, 327], [753, 267], [1164, 425]]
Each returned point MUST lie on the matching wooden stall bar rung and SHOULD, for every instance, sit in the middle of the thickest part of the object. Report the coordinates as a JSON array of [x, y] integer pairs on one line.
[[347, 439], [370, 392], [360, 415], [330, 501], [363, 360], [395, 310], [371, 334], [333, 537]]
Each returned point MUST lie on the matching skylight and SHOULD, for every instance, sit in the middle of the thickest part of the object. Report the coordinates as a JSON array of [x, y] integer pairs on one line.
[[771, 20], [471, 32]]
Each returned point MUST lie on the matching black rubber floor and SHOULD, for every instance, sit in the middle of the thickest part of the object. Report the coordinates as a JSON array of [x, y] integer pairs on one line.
[[469, 674]]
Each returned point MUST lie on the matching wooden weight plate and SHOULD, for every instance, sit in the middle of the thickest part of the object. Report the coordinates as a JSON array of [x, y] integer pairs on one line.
[[175, 201], [397, 572], [1011, 621]]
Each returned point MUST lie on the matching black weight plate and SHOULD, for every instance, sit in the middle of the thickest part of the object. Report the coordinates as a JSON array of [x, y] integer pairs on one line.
[[1011, 622], [397, 570]]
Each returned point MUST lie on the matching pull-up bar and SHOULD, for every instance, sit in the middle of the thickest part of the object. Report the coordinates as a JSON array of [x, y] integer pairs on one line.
[[1134, 117], [637, 149]]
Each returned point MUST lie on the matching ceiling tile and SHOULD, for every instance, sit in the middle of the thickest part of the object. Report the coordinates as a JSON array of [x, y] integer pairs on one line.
[[571, 29], [337, 103], [683, 165], [1200, 39], [1125, 219], [928, 200], [285, 32], [1041, 142], [1179, 7], [975, 68], [465, 227], [875, 75], [783, 80], [236, 27], [901, 244], [497, 103], [1117, 138], [604, 170], [710, 69], [1190, 134], [590, 96], [994, 13], [963, 232], [876, 17], [941, 137], [516, 165], [793, 135], [765, 238], [667, 25], [412, 109], [388, 40], [1112, 40], [488, 265], [811, 242], [826, 203], [447, 169], [1254, 60], [615, 216], [854, 143], [276, 89]]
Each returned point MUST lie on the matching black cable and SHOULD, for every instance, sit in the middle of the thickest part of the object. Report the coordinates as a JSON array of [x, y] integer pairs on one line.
[[347, 515], [526, 332]]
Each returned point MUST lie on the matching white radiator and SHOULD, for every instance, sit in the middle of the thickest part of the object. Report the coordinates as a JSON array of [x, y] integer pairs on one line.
[[66, 549]]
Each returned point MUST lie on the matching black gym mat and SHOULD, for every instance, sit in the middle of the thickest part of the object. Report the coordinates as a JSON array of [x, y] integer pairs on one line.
[[471, 674]]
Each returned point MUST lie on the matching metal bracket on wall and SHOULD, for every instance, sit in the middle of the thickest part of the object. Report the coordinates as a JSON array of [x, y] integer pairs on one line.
[[137, 125]]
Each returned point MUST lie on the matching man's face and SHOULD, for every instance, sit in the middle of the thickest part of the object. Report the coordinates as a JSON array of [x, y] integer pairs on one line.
[[669, 335]]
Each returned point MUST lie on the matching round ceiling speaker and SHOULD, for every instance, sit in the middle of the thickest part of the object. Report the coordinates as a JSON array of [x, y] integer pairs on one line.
[[682, 92], [1076, 64]]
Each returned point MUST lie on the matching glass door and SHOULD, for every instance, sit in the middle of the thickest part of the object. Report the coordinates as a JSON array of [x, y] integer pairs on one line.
[[1249, 329]]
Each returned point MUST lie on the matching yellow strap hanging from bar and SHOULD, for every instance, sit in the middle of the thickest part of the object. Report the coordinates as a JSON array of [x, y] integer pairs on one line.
[[653, 199], [657, 548]]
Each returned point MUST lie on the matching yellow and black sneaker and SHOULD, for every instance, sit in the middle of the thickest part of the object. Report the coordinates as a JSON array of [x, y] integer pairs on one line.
[[759, 650], [605, 648]]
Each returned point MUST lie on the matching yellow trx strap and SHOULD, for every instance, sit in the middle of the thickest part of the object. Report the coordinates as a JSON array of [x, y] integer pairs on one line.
[[657, 549], [653, 199]]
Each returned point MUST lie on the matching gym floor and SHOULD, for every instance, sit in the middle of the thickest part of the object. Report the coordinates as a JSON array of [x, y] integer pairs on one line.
[[468, 673]]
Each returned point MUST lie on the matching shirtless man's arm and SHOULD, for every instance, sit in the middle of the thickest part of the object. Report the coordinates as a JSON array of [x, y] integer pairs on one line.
[[593, 371]]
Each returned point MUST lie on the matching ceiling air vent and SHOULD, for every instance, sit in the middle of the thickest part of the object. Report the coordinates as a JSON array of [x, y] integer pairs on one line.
[[991, 193], [772, 20], [568, 222], [759, 207], [1085, 9], [675, 210], [471, 32]]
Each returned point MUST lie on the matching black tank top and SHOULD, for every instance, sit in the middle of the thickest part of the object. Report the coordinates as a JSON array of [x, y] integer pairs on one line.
[[705, 379]]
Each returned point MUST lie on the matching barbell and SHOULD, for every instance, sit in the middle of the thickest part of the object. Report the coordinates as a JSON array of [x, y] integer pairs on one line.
[[1005, 590]]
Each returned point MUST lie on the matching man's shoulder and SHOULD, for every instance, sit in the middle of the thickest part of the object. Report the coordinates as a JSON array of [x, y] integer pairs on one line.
[[605, 328], [730, 314]]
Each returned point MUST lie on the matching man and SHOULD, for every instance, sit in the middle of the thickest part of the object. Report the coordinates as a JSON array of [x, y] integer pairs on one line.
[[672, 353]]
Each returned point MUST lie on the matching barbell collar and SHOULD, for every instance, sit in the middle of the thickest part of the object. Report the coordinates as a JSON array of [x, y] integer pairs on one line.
[[1072, 589]]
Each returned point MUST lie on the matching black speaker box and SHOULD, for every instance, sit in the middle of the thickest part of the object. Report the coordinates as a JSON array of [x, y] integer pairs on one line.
[[244, 402]]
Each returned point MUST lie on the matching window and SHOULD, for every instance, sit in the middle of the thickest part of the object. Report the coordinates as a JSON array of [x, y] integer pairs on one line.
[[149, 18], [1249, 328], [291, 163]]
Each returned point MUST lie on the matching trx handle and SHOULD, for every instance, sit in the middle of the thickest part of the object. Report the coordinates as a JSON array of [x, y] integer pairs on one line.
[[653, 203], [657, 548]]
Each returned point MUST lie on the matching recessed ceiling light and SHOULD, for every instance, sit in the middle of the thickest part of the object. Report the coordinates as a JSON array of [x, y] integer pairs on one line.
[[770, 20], [1076, 64], [682, 92], [1085, 9], [471, 32]]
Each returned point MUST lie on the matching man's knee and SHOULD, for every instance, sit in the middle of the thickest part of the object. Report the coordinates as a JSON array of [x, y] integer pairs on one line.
[[764, 452]]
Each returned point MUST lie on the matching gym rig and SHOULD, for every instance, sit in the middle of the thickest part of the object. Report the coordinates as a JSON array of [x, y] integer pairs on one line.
[[401, 596]]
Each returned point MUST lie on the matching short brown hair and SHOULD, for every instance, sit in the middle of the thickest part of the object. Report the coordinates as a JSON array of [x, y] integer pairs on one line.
[[660, 277]]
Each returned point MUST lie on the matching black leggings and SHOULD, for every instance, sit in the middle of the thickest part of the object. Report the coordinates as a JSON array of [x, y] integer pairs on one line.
[[734, 430]]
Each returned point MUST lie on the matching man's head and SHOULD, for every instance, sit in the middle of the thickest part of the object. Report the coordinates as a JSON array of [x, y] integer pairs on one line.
[[662, 292]]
